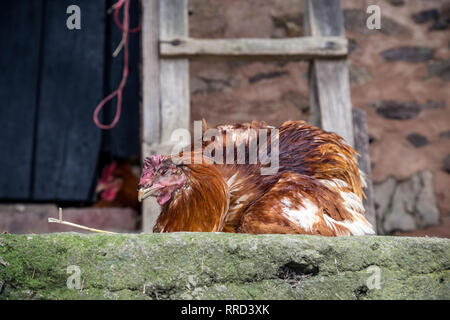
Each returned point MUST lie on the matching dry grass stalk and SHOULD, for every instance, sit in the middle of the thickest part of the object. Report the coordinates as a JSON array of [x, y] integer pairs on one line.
[[67, 223]]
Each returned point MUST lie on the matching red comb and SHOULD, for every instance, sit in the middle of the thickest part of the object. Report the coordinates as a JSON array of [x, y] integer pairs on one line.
[[107, 172]]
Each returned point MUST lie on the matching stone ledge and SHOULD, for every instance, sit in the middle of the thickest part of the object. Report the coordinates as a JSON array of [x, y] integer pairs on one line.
[[223, 266]]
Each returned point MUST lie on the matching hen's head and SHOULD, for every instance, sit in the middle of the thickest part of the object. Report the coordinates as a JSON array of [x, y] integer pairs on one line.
[[160, 178]]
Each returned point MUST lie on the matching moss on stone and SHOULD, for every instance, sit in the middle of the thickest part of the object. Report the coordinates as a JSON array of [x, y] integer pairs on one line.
[[222, 266]]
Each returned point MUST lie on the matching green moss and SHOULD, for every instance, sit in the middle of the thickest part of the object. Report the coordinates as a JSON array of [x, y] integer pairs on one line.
[[222, 266]]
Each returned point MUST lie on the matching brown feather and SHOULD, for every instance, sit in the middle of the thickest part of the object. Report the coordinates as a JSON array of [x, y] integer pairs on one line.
[[200, 205]]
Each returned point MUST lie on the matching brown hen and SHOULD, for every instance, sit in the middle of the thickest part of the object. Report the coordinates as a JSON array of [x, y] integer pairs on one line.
[[316, 189]]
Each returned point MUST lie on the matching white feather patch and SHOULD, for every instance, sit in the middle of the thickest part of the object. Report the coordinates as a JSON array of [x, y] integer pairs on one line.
[[335, 183], [354, 205], [352, 202], [359, 227], [286, 202], [362, 175], [241, 201], [305, 215], [230, 181], [330, 222]]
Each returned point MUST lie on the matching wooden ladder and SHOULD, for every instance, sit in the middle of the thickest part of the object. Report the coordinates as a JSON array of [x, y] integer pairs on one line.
[[167, 48]]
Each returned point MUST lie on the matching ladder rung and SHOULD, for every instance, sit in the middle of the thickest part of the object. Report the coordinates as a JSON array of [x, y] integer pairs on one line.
[[298, 48]]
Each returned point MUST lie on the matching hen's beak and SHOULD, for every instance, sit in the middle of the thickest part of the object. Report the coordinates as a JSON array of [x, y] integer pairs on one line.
[[144, 193]]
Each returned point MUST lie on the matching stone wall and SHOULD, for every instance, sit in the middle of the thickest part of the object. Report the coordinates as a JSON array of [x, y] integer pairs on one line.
[[399, 75], [222, 266]]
